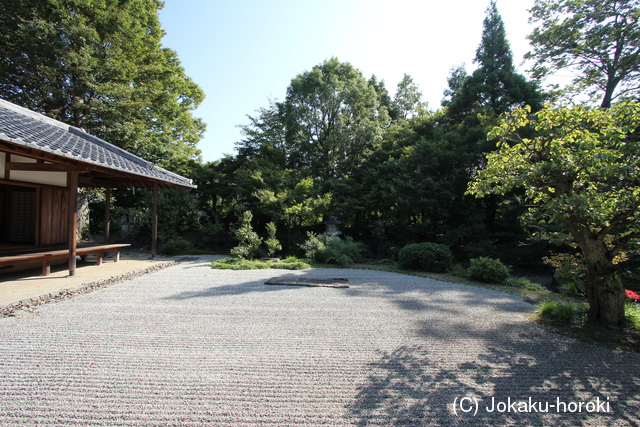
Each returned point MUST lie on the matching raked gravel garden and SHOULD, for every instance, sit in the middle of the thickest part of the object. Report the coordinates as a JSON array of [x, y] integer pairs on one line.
[[189, 345]]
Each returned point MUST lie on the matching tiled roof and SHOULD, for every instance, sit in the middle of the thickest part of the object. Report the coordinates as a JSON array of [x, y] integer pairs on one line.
[[26, 128]]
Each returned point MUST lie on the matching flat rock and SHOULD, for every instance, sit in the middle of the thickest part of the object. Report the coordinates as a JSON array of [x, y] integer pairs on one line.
[[303, 281]]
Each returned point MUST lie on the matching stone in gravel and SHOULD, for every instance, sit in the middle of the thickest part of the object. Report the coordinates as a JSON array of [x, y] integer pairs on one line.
[[302, 281]]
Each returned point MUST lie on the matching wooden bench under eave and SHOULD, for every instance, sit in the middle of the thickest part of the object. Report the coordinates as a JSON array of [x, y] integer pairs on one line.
[[45, 257]]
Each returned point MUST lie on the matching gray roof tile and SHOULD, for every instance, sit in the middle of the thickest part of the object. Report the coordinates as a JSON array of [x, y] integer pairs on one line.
[[23, 127]]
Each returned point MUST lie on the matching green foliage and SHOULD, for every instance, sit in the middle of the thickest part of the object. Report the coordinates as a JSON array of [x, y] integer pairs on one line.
[[326, 249], [333, 119], [272, 242], [301, 205], [407, 102], [632, 313], [488, 270], [563, 312], [594, 40], [100, 66], [494, 86], [426, 256], [176, 246], [460, 271], [581, 170], [524, 283], [570, 272], [249, 241], [290, 263], [178, 212]]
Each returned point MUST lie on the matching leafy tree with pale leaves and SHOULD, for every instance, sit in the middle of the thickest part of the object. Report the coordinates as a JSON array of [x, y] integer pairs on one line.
[[333, 119], [580, 171], [407, 102]]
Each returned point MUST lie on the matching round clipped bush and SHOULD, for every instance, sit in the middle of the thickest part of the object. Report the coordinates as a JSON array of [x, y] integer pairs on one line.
[[426, 256], [489, 270]]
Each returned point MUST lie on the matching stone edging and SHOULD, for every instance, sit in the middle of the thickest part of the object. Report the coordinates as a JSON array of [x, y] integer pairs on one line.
[[31, 303]]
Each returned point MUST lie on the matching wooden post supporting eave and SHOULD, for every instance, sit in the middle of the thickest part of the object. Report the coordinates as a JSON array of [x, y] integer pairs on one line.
[[73, 221], [154, 221], [107, 216]]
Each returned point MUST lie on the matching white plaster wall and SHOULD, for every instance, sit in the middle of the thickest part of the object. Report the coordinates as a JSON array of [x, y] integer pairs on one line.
[[58, 179]]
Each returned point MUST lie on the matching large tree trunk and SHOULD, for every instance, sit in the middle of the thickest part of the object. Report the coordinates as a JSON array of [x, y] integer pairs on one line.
[[605, 292], [606, 299]]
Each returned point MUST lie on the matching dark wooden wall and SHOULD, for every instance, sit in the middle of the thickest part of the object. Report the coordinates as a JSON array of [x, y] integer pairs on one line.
[[53, 217]]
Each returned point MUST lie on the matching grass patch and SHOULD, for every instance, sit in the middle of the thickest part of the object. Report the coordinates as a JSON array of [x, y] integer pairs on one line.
[[570, 319], [232, 263]]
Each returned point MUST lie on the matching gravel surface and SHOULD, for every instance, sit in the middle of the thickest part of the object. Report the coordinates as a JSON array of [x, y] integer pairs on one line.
[[193, 346]]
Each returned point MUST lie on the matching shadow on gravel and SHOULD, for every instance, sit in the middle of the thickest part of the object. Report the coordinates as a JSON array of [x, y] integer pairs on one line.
[[462, 372], [526, 376]]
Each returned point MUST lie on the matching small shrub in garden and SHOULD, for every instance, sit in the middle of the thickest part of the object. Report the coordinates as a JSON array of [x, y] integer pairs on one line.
[[327, 249], [632, 311], [460, 271], [249, 241], [272, 242], [488, 270], [426, 256]]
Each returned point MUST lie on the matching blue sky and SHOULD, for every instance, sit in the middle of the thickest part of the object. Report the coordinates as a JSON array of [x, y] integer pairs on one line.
[[244, 52]]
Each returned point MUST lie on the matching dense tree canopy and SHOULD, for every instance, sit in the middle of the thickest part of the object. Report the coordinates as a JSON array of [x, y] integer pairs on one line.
[[599, 40], [99, 65], [333, 119]]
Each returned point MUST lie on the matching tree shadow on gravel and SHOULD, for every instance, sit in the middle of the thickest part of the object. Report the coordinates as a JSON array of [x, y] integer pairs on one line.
[[429, 385]]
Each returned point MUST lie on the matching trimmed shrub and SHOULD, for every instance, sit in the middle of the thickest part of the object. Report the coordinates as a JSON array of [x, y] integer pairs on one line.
[[249, 241], [272, 242], [488, 270], [426, 256]]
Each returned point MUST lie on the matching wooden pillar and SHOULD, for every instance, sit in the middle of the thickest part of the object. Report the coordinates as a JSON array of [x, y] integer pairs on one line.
[[73, 221], [107, 216], [154, 221]]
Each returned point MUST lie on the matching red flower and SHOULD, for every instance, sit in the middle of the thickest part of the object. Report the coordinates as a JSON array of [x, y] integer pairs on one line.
[[632, 295]]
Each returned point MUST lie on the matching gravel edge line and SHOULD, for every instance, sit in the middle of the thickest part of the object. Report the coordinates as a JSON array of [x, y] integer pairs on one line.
[[30, 304]]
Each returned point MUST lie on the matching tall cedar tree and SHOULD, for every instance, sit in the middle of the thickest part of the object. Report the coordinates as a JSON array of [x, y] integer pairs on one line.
[[494, 85], [99, 65], [492, 89]]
